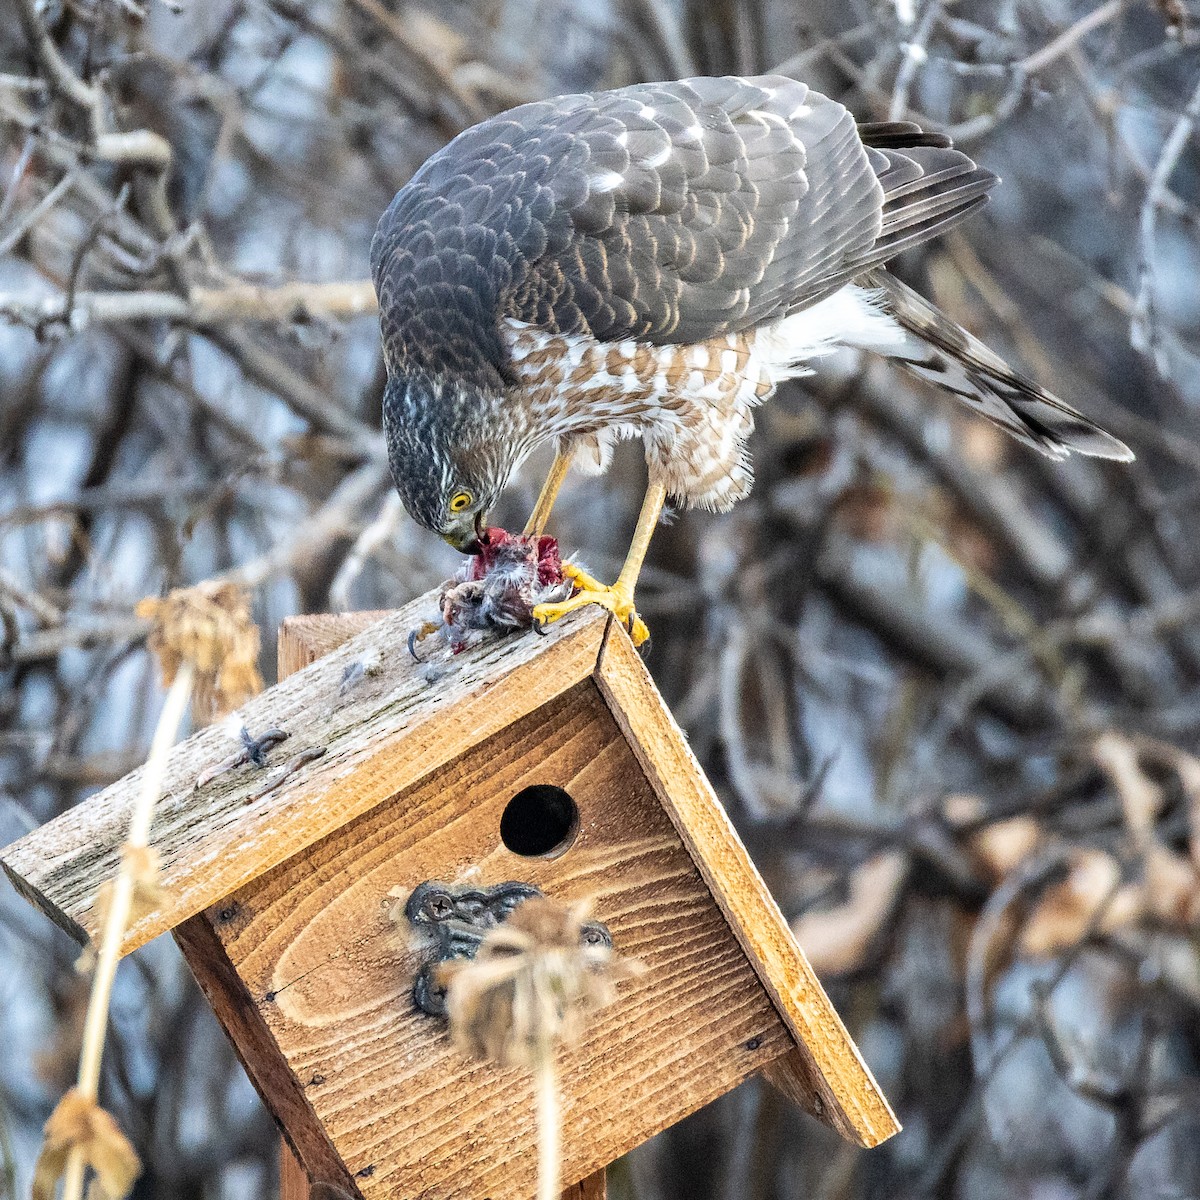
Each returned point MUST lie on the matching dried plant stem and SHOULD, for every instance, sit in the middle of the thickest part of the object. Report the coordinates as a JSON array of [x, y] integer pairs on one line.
[[1144, 330], [528, 992], [549, 1123], [119, 908]]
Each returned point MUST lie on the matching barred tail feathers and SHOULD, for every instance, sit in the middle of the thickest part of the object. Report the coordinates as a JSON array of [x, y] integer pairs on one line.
[[941, 352]]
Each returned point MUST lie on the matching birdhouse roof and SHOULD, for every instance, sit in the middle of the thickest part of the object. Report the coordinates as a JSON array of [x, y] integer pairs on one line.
[[363, 723]]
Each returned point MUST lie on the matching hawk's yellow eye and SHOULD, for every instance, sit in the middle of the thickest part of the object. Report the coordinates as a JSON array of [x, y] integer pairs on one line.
[[461, 500]]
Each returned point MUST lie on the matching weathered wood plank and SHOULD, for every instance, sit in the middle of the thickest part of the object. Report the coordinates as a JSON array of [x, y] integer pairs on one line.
[[827, 1074], [400, 730], [293, 1178], [301, 641], [294, 1182], [267, 1068], [304, 639], [328, 972], [401, 720]]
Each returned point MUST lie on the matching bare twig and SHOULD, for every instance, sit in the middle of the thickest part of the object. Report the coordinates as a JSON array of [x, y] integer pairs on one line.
[[315, 405], [202, 307], [1057, 47], [337, 518], [1144, 328], [914, 55], [386, 521], [1021, 72], [139, 147], [22, 226]]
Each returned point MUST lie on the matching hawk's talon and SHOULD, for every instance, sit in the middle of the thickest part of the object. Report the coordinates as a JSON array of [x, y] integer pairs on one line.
[[591, 591], [582, 580]]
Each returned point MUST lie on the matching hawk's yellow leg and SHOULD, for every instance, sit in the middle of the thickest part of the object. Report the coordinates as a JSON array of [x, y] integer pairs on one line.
[[618, 599], [536, 525]]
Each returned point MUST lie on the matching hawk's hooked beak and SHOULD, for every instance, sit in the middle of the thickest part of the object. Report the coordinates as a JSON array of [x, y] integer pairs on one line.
[[466, 534]]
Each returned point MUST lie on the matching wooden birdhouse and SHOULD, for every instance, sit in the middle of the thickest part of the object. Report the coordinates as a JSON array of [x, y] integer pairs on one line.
[[549, 762]]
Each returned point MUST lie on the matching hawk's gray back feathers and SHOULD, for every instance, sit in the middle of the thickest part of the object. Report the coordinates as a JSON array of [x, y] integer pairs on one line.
[[669, 217]]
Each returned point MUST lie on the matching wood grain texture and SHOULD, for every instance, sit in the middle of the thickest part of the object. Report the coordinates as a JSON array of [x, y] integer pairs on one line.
[[329, 972], [266, 1067], [828, 1074], [293, 1178], [278, 888], [399, 722], [302, 640], [594, 1187]]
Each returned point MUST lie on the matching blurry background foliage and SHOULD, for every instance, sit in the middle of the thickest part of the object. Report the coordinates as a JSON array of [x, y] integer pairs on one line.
[[950, 692]]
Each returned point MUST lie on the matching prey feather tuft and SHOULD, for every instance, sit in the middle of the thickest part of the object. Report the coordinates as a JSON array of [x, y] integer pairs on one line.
[[497, 590]]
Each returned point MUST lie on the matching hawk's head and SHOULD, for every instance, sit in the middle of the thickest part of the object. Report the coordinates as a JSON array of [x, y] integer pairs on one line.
[[452, 446]]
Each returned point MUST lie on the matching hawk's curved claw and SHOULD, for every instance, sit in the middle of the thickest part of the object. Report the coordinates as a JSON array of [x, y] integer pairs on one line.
[[592, 591]]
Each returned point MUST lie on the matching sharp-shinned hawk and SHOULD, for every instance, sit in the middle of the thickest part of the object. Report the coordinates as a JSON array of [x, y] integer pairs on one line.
[[651, 262]]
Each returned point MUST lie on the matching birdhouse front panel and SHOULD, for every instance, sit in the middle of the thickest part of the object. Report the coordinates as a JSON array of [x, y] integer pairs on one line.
[[557, 800]]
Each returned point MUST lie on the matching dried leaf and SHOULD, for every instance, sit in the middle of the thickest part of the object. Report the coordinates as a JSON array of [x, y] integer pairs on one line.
[[1141, 798], [837, 940], [209, 626], [1187, 768], [1172, 887], [962, 808], [1171, 881], [1001, 847], [1091, 896], [78, 1122]]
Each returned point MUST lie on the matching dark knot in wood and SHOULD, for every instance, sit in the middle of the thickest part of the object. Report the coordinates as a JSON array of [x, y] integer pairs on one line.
[[457, 919]]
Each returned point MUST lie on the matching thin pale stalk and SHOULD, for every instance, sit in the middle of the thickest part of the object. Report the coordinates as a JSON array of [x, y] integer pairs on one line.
[[549, 1132], [96, 1023]]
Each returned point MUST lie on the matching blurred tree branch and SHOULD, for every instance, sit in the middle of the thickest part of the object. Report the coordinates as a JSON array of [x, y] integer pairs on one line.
[[291, 302]]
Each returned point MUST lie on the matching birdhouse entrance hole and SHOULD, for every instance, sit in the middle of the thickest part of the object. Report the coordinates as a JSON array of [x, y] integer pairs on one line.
[[540, 821]]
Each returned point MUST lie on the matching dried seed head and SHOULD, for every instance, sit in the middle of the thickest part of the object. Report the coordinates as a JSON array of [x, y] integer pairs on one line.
[[532, 985], [208, 626], [80, 1123]]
